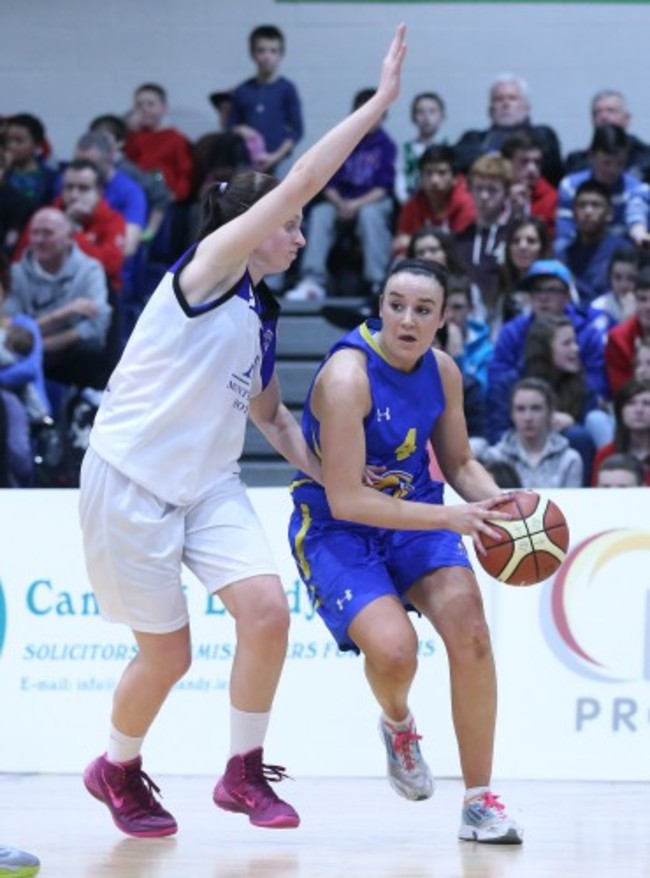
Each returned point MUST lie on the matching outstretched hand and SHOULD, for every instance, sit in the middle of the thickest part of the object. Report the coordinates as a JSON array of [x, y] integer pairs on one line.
[[391, 71]]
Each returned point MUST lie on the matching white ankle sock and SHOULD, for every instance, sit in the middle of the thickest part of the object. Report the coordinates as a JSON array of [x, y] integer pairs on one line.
[[401, 726], [247, 730], [474, 792], [122, 748]]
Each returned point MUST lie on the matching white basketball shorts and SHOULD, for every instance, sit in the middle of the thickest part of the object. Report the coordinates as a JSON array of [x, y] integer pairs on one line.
[[134, 545]]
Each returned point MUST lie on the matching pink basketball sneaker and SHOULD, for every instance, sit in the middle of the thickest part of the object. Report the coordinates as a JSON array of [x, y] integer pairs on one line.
[[128, 793], [245, 788]]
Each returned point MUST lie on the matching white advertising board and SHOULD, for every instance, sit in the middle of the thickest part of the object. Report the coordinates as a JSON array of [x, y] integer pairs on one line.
[[572, 656]]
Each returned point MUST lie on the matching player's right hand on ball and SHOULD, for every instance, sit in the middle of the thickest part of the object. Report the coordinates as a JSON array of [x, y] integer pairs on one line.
[[472, 519]]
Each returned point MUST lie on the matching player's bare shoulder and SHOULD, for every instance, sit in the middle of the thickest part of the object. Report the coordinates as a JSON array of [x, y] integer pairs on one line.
[[343, 380], [450, 374], [445, 362]]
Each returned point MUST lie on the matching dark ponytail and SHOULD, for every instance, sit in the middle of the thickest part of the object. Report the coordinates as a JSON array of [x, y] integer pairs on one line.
[[223, 202]]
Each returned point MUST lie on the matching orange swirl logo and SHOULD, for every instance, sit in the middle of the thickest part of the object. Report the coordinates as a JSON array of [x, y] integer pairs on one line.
[[596, 613]]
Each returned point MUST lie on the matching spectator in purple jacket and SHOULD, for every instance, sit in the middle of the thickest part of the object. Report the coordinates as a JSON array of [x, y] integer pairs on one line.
[[359, 194]]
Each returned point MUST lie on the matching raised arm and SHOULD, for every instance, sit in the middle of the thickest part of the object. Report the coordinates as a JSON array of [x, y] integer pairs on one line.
[[221, 257]]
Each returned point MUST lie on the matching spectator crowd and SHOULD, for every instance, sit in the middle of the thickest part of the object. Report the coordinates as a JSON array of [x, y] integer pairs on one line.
[[548, 255]]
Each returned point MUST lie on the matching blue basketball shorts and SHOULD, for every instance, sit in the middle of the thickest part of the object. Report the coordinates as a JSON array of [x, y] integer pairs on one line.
[[346, 566]]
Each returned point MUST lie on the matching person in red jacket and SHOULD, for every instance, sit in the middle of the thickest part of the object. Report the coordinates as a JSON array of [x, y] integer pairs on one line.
[[99, 230], [155, 146], [530, 193], [624, 339], [442, 200]]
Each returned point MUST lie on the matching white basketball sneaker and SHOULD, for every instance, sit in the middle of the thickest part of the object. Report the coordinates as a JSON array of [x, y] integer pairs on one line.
[[484, 819], [408, 773]]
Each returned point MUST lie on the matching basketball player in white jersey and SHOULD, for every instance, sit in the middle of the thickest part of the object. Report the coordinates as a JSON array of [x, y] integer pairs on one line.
[[160, 482]]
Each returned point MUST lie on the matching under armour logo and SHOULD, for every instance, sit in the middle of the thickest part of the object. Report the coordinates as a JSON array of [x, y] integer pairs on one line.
[[385, 415], [347, 596]]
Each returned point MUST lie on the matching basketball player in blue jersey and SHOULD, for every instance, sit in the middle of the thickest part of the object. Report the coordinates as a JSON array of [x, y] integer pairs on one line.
[[366, 553], [160, 483]]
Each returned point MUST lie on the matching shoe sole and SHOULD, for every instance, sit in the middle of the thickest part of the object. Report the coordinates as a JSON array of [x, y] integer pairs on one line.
[[222, 799], [408, 793], [469, 834], [156, 833], [19, 872]]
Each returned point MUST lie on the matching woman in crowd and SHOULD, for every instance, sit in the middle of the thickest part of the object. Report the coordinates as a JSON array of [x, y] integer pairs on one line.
[[632, 435], [436, 245], [552, 353], [527, 241]]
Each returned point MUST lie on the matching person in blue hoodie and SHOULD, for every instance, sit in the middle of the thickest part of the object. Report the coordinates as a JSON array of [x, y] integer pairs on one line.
[[552, 291]]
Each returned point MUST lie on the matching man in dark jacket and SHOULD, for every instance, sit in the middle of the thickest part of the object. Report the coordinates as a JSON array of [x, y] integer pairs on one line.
[[509, 112], [609, 107]]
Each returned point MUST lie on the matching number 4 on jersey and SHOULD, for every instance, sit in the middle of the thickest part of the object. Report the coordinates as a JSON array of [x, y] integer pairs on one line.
[[407, 448]]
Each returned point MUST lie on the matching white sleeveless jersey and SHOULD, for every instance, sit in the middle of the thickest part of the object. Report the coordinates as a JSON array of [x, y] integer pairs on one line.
[[173, 416]]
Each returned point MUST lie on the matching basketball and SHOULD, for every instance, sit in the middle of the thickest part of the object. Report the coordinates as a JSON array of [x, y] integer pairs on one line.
[[531, 546]]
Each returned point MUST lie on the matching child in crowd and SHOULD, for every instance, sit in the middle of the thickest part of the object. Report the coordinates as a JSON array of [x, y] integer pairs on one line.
[[541, 456], [441, 201], [15, 211], [358, 197], [473, 338], [481, 245], [154, 145], [619, 301], [268, 102], [28, 171], [629, 196], [530, 193], [620, 471], [588, 255], [17, 343], [428, 115]]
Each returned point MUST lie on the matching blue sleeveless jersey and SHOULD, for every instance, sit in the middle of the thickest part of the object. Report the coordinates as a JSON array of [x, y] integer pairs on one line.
[[405, 408]]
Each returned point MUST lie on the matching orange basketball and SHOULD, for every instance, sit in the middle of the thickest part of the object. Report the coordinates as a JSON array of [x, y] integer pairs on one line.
[[531, 546]]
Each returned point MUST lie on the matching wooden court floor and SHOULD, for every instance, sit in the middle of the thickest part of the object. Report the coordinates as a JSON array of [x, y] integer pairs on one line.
[[350, 829]]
